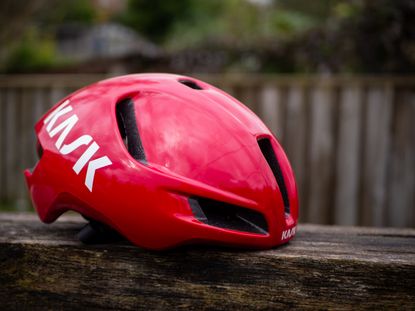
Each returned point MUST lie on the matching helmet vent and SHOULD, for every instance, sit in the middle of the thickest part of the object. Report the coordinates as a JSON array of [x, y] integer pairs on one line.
[[127, 126], [39, 150], [269, 155], [191, 84], [228, 216]]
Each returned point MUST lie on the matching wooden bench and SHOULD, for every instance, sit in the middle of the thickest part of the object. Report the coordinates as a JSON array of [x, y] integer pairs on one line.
[[44, 266]]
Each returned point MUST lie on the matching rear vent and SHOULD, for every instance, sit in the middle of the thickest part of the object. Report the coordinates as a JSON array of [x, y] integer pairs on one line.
[[127, 126], [269, 154], [191, 84], [228, 216]]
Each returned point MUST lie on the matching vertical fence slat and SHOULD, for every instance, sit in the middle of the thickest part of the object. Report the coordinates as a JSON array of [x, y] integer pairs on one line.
[[2, 144], [248, 96], [375, 155], [346, 201], [401, 177], [30, 160], [11, 144], [23, 111], [321, 156], [295, 139], [272, 110], [56, 94], [27, 143]]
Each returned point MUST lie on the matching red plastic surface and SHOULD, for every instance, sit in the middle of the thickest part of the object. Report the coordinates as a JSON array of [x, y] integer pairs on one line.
[[197, 143]]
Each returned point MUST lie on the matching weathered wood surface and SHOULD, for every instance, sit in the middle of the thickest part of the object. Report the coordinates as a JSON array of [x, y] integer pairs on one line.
[[350, 139], [45, 267]]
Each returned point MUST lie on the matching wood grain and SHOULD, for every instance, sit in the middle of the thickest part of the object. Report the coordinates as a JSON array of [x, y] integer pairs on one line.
[[45, 267]]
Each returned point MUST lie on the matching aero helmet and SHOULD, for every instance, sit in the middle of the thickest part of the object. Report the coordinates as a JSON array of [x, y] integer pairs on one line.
[[163, 160]]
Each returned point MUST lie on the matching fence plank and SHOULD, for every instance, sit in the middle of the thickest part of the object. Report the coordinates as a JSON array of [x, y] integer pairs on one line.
[[272, 110], [2, 144], [57, 93], [24, 111], [31, 140], [321, 156], [295, 139], [401, 179], [38, 111], [248, 97], [29, 109], [348, 151], [11, 144], [375, 156]]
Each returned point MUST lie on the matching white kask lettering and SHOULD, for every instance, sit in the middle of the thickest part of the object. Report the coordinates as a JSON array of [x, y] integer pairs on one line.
[[64, 128], [288, 233]]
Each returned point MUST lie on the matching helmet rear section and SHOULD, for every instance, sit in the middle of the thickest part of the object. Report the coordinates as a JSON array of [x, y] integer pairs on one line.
[[163, 160]]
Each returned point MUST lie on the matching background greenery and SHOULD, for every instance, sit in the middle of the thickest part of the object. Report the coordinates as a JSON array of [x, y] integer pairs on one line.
[[331, 36]]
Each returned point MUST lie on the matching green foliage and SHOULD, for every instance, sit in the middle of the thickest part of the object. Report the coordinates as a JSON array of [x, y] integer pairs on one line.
[[67, 11], [31, 54], [236, 21], [79, 11], [288, 23], [274, 35], [155, 18]]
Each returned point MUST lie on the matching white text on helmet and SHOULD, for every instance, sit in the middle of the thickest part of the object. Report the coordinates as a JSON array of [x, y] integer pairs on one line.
[[286, 234], [64, 128]]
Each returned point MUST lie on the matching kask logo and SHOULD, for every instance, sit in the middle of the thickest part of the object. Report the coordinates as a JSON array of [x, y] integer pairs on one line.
[[64, 128], [286, 234]]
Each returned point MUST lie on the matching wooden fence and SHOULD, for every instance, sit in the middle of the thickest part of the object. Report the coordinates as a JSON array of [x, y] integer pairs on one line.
[[351, 140]]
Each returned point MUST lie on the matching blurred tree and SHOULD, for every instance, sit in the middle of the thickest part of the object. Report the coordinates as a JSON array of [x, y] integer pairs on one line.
[[155, 18], [31, 54], [27, 31], [384, 36], [361, 36], [15, 15], [246, 35]]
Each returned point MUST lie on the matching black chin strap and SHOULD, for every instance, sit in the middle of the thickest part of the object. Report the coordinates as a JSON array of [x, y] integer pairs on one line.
[[95, 232]]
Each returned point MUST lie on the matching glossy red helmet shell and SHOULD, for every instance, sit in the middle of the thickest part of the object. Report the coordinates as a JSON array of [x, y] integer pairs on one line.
[[164, 160]]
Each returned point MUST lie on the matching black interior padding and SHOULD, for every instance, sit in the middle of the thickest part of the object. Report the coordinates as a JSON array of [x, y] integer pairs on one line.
[[191, 84], [127, 125], [228, 216], [269, 154]]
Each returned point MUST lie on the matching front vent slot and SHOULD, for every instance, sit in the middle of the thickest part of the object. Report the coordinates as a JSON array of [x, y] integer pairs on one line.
[[127, 125], [228, 216], [269, 155]]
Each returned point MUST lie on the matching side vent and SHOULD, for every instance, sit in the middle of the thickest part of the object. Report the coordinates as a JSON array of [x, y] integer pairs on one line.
[[191, 84], [269, 155], [228, 216], [39, 150], [127, 126]]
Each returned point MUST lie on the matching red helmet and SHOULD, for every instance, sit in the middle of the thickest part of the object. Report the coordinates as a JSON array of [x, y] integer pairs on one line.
[[163, 160]]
